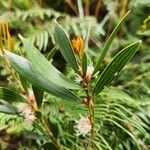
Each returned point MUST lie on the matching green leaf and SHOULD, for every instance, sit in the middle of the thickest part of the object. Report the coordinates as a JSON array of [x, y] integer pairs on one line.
[[49, 146], [38, 114], [24, 83], [44, 67], [7, 108], [53, 125], [84, 64], [45, 40], [124, 130], [25, 69], [38, 93], [105, 142], [10, 96], [41, 130], [65, 46], [33, 136], [51, 53], [115, 66], [109, 42]]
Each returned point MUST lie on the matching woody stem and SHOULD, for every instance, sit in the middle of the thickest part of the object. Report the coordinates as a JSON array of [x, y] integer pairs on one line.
[[56, 141], [90, 106]]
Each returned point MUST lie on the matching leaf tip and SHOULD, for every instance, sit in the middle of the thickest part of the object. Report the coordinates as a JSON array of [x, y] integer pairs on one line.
[[138, 43], [128, 12], [57, 24], [20, 37]]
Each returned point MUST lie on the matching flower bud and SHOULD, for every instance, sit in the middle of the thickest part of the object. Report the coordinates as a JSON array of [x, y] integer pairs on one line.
[[61, 110], [84, 101], [78, 46], [31, 100], [89, 72], [31, 97], [88, 75]]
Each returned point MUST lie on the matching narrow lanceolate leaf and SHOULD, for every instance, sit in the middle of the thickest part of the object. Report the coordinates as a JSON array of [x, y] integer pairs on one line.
[[45, 68], [38, 93], [65, 46], [7, 108], [25, 69], [10, 96], [115, 66], [33, 136], [53, 126], [109, 42], [84, 64]]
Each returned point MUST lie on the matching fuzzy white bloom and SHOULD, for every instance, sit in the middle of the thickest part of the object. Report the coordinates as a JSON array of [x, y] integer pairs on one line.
[[78, 79], [30, 119], [89, 72], [27, 112], [90, 68], [83, 126]]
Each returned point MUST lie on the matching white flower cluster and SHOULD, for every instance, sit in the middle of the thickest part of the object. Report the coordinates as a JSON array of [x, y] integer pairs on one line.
[[89, 72], [83, 126], [78, 79], [90, 68], [26, 110]]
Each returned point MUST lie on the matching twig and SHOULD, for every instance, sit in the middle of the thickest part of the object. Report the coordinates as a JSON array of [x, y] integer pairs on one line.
[[87, 7], [56, 142], [98, 6], [72, 6], [90, 105]]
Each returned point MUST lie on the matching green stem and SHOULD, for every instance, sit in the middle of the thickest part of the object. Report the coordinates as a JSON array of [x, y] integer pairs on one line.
[[55, 141]]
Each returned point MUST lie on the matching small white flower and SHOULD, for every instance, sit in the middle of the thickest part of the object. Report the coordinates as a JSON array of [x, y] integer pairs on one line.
[[89, 72], [78, 79], [83, 126], [30, 119], [90, 68], [26, 110]]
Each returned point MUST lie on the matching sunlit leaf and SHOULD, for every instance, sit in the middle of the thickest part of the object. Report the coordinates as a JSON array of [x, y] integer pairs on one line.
[[115, 66], [45, 68], [65, 46], [25, 69], [7, 108], [109, 42], [10, 96], [84, 64], [38, 93]]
